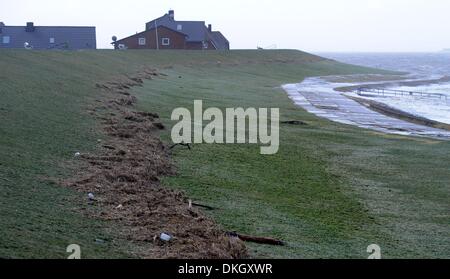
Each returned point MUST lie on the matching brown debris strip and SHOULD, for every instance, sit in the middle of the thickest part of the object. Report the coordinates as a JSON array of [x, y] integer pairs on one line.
[[124, 176]]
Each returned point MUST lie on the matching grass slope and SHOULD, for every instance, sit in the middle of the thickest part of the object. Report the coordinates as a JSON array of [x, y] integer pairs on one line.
[[331, 191]]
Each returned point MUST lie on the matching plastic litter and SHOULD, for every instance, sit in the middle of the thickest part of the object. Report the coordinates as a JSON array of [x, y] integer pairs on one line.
[[165, 237]]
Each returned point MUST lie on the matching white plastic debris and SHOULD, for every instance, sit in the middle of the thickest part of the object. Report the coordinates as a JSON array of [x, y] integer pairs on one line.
[[119, 206], [78, 154], [91, 196], [165, 237]]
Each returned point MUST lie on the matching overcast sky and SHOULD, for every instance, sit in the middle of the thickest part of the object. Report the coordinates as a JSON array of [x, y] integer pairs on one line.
[[311, 25]]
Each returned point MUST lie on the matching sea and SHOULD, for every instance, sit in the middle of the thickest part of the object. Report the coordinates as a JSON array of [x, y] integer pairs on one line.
[[419, 66]]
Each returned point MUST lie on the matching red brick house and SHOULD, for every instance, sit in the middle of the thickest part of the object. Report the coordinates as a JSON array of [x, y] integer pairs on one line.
[[167, 33]]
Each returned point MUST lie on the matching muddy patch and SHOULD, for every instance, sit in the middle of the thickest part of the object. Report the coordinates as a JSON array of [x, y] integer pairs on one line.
[[123, 181]]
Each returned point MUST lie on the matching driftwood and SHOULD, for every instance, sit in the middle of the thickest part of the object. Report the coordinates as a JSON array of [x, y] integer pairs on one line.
[[203, 206], [191, 204], [256, 239], [181, 144], [294, 122]]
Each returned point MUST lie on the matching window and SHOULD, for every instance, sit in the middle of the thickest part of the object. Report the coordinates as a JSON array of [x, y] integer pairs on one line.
[[6, 39], [142, 41], [165, 41], [52, 40], [179, 27]]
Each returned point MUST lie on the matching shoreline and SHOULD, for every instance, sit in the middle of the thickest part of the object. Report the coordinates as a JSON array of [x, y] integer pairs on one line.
[[412, 83], [341, 108], [399, 114], [391, 111]]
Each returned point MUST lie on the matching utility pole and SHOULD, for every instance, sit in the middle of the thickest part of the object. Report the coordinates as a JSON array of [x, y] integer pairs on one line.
[[157, 37]]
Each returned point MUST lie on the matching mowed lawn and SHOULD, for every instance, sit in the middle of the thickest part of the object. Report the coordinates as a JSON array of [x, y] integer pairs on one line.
[[330, 191]]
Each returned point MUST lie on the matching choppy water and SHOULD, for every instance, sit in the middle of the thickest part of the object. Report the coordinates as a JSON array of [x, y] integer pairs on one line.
[[420, 66], [317, 96]]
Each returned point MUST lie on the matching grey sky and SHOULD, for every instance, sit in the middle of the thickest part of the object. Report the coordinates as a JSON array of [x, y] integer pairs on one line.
[[311, 25]]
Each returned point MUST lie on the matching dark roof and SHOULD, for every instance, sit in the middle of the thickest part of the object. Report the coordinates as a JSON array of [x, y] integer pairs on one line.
[[149, 30], [160, 21], [219, 40], [195, 30], [65, 37]]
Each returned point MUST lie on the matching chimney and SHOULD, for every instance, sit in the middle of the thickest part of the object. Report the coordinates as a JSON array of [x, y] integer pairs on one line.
[[1, 25], [172, 14], [30, 27], [210, 27]]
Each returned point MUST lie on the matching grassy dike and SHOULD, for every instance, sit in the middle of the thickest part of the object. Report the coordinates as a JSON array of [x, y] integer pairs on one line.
[[330, 192]]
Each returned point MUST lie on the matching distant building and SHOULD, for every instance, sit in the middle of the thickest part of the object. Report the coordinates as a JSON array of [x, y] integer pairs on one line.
[[167, 33], [47, 37]]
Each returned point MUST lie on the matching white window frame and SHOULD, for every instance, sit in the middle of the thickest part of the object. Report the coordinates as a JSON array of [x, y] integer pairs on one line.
[[142, 41], [179, 27], [165, 41], [52, 40], [6, 40]]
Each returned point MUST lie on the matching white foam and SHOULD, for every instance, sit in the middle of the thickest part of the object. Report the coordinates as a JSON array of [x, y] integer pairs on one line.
[[431, 108], [317, 96]]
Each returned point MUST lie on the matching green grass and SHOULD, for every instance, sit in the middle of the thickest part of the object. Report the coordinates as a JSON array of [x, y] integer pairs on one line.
[[330, 192]]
